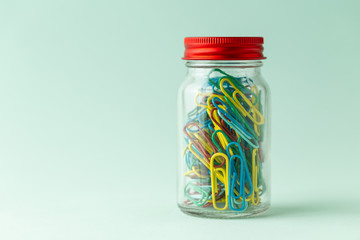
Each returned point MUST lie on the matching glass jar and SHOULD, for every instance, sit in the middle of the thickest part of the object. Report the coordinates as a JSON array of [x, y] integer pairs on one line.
[[223, 129]]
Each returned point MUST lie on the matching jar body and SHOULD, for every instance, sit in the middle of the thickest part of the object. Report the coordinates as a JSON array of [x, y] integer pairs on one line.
[[223, 140]]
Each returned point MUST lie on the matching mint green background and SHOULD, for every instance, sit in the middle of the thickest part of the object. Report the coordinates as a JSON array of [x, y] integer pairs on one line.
[[88, 117]]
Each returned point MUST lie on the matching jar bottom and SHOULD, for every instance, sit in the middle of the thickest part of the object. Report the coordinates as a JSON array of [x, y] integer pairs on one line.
[[213, 213]]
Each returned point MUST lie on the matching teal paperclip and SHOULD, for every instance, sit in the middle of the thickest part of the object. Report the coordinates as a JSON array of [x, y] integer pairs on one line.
[[203, 198], [243, 178], [240, 131]]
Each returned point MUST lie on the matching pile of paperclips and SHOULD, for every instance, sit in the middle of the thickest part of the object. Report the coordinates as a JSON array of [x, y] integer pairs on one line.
[[223, 154]]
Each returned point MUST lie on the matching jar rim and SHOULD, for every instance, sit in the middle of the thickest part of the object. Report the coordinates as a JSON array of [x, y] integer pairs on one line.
[[223, 48]]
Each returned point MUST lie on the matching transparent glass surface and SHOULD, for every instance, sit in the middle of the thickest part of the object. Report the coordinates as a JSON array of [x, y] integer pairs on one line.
[[223, 140]]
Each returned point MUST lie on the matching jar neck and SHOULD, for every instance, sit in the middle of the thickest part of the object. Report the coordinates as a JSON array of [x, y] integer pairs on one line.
[[237, 68], [223, 64]]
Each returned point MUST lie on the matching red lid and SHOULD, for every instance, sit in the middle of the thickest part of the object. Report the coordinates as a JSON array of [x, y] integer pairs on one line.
[[223, 48]]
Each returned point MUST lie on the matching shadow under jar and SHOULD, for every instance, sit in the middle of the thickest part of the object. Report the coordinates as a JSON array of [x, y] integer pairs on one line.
[[223, 129]]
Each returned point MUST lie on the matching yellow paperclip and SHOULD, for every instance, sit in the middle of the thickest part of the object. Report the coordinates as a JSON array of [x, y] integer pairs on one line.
[[215, 115], [202, 160], [209, 100], [201, 94], [223, 176], [237, 104], [255, 199], [222, 138], [252, 108], [240, 108], [185, 151], [194, 170], [204, 143], [255, 91]]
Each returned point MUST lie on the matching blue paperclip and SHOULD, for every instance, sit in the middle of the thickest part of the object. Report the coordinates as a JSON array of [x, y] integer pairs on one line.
[[191, 160], [249, 81], [246, 169], [243, 178], [240, 156], [231, 120], [233, 177], [237, 129], [203, 118], [188, 162], [211, 127]]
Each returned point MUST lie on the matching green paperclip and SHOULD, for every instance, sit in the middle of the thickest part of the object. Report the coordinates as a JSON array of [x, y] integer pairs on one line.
[[216, 143], [204, 195]]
